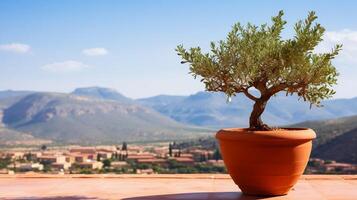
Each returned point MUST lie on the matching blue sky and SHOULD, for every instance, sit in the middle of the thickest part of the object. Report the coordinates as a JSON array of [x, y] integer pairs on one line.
[[129, 45]]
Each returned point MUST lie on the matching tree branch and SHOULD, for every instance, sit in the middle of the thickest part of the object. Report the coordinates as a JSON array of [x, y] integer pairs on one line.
[[275, 89], [250, 96]]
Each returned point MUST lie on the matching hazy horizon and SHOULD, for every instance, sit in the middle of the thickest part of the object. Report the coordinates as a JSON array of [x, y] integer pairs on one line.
[[144, 97]]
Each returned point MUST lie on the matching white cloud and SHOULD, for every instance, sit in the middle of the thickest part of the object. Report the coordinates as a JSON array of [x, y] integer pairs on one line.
[[345, 62], [95, 52], [65, 66], [346, 37], [15, 48]]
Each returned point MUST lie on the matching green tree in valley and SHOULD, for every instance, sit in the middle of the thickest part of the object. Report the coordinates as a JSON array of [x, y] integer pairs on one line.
[[43, 147], [99, 157], [28, 156], [5, 161], [217, 154], [170, 149], [106, 163], [124, 146]]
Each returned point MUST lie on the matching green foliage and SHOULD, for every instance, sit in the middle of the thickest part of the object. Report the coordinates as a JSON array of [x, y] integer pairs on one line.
[[175, 167], [28, 157], [85, 171], [46, 162], [124, 146], [43, 147], [204, 143], [4, 162], [143, 166], [257, 57], [106, 163], [47, 168], [217, 155], [328, 161], [203, 168], [120, 170], [170, 149]]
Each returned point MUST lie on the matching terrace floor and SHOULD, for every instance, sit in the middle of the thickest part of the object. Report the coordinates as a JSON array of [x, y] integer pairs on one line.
[[162, 187]]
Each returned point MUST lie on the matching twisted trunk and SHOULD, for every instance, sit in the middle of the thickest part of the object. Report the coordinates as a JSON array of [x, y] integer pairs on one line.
[[255, 121]]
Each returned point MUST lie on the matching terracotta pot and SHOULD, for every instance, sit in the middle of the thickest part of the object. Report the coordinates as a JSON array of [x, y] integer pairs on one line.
[[265, 162]]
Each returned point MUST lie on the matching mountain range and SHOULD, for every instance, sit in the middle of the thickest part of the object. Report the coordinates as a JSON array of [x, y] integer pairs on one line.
[[91, 116], [100, 115], [212, 110]]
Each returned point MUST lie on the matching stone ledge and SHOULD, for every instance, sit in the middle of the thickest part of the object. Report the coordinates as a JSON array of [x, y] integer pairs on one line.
[[165, 176], [162, 186]]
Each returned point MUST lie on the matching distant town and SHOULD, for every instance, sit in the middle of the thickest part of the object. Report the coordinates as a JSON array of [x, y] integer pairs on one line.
[[137, 159], [164, 158]]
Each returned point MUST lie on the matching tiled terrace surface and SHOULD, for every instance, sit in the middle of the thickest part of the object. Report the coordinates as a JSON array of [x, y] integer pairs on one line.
[[149, 187]]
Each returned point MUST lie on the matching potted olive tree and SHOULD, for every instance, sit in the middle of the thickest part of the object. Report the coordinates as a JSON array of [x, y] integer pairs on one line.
[[258, 62]]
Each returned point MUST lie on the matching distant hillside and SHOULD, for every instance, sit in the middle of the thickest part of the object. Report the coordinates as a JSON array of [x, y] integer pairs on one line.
[[10, 137], [161, 101], [211, 110], [327, 130], [77, 119], [342, 148], [102, 93], [203, 109]]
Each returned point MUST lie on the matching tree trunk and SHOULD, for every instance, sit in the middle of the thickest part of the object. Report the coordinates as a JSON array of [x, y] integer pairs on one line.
[[255, 121]]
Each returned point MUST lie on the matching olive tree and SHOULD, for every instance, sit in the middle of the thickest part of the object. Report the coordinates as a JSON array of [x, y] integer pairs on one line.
[[258, 58]]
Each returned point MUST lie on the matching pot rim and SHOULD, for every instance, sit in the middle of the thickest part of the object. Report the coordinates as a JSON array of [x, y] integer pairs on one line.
[[279, 134]]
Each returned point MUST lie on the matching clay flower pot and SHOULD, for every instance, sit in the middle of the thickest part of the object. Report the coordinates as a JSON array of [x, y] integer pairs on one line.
[[265, 162]]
